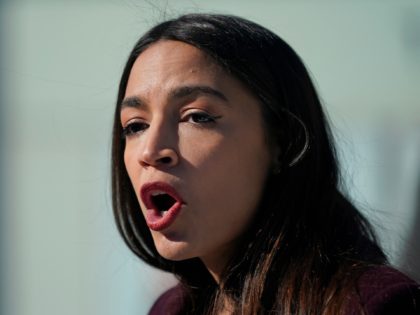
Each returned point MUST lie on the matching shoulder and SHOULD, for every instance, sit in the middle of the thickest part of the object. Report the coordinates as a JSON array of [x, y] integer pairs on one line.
[[383, 290], [169, 303]]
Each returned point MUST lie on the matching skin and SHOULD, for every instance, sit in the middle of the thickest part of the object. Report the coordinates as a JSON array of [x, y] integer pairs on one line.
[[211, 148]]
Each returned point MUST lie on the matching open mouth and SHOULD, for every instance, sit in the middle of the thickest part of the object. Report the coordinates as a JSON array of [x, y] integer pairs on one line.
[[162, 202]]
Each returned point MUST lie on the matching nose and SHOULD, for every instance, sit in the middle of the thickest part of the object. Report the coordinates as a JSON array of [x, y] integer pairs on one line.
[[159, 149]]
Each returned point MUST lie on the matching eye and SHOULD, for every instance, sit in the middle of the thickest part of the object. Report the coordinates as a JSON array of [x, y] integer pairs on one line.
[[201, 118], [134, 128]]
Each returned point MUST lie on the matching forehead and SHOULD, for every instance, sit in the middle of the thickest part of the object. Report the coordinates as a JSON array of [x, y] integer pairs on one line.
[[171, 68], [170, 62], [173, 51]]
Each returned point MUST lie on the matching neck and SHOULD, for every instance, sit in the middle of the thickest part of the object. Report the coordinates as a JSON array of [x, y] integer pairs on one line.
[[216, 262], [215, 266]]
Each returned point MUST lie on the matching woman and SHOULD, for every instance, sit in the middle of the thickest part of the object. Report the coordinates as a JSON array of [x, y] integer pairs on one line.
[[224, 174]]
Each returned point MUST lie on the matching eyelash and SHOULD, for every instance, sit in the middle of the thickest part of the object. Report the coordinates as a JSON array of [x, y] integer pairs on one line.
[[137, 127], [208, 118], [133, 128]]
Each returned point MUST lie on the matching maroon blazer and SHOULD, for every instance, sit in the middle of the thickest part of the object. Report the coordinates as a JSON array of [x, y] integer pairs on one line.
[[382, 290]]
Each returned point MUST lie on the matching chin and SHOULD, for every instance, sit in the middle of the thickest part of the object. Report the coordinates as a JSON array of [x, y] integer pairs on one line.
[[174, 254], [175, 250]]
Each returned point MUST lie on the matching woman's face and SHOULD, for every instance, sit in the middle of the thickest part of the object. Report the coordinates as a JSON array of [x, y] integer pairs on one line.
[[195, 152]]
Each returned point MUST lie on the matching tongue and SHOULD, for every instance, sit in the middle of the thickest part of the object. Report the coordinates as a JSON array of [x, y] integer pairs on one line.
[[163, 202]]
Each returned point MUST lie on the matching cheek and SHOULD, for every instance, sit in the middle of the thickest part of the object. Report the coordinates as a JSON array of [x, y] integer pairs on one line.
[[131, 164], [229, 180], [128, 161], [201, 149], [236, 156]]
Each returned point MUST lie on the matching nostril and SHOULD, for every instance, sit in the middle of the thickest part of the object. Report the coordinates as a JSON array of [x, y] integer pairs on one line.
[[166, 160], [158, 157]]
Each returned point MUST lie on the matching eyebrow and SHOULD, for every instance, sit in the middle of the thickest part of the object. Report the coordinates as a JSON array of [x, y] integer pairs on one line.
[[178, 93]]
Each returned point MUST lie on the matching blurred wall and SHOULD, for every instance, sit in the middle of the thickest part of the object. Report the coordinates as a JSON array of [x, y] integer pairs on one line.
[[60, 64]]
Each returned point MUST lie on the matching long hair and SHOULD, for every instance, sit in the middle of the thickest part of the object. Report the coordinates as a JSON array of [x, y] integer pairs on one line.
[[308, 243]]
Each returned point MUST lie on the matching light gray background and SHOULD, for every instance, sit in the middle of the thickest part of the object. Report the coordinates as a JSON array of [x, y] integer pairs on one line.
[[60, 64]]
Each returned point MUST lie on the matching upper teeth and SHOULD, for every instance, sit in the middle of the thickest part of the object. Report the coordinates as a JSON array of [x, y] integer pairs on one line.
[[157, 193]]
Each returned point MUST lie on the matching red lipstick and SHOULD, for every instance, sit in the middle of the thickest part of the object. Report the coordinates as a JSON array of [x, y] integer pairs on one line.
[[163, 204]]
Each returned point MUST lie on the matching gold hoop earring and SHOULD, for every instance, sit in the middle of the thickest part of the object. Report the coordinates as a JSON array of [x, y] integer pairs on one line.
[[305, 147]]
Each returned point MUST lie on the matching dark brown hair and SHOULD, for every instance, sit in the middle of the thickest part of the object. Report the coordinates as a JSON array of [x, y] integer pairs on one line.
[[308, 243]]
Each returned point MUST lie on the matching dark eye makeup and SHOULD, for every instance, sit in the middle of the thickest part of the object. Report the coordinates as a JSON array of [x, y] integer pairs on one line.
[[201, 118], [134, 128], [197, 118]]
